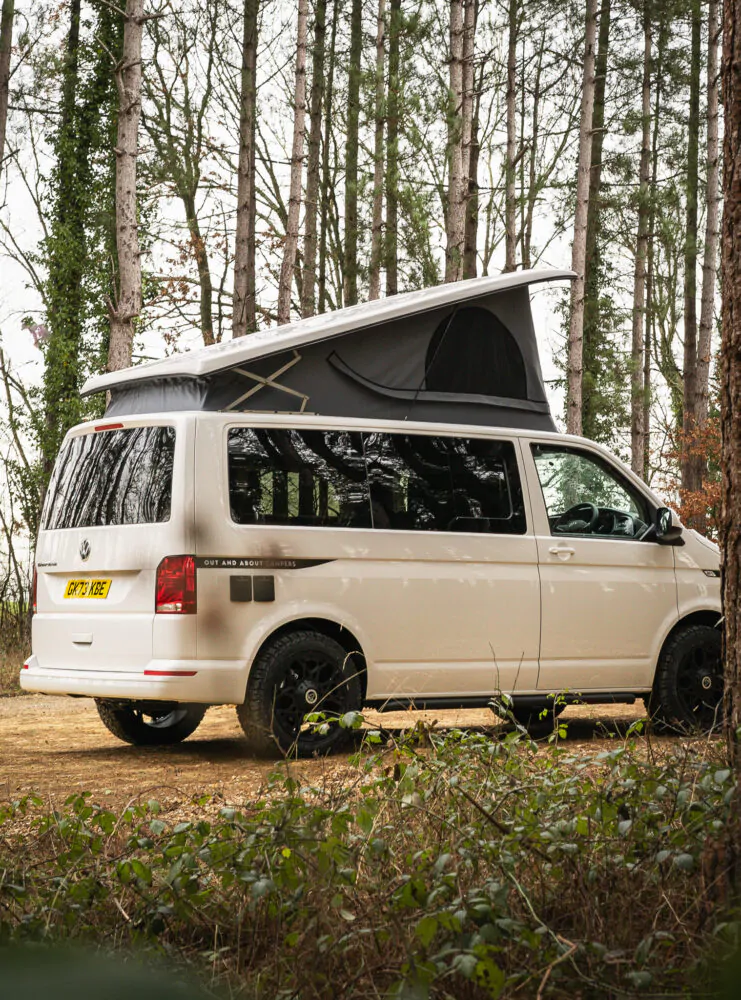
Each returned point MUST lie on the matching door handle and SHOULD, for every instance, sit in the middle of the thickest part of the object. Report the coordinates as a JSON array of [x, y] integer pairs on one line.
[[563, 552]]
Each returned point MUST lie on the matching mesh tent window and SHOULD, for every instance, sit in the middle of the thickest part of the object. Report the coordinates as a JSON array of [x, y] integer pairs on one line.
[[473, 352]]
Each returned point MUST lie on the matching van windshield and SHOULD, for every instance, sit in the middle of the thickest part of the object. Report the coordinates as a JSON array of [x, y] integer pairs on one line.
[[112, 477]]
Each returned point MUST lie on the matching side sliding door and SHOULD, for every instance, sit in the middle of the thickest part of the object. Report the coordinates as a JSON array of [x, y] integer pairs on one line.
[[456, 596]]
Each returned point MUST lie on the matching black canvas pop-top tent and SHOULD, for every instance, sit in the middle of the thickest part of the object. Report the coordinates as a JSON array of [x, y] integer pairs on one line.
[[458, 353]]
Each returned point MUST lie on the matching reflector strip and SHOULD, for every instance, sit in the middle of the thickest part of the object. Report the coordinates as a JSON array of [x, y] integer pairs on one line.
[[170, 673]]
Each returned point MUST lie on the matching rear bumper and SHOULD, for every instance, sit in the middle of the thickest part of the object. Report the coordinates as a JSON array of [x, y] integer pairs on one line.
[[212, 682]]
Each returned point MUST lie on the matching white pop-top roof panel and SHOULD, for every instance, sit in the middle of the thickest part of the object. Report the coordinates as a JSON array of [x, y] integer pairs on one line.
[[322, 327]]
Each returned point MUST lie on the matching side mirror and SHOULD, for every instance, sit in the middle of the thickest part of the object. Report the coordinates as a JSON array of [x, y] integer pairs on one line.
[[668, 529]]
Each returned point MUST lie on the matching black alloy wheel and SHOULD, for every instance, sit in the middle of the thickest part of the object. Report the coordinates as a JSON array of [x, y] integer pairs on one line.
[[150, 726], [299, 674], [688, 688]]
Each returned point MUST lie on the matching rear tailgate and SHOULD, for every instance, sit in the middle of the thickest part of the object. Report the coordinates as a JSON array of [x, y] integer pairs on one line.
[[120, 500]]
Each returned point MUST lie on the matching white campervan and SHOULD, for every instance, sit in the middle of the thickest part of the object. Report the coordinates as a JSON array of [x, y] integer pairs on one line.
[[320, 552]]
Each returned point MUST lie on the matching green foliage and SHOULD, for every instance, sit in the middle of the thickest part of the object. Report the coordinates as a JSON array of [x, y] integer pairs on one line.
[[79, 251], [470, 867]]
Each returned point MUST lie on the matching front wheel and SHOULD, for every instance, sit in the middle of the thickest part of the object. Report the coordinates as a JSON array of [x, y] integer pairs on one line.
[[153, 726], [688, 688], [296, 675]]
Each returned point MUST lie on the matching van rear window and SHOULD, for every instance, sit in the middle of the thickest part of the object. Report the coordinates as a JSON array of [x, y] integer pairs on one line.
[[112, 477]]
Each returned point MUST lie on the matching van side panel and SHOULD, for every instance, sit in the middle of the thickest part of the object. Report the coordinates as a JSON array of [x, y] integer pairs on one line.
[[436, 613]]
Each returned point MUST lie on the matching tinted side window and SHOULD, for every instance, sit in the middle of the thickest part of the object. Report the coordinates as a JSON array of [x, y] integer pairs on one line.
[[487, 486], [297, 477], [112, 477], [430, 483], [410, 482]]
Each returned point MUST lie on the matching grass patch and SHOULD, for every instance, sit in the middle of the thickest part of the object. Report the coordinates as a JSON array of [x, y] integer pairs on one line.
[[12, 656], [460, 866]]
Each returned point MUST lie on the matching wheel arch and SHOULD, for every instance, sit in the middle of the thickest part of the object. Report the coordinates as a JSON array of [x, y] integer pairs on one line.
[[704, 616], [330, 628]]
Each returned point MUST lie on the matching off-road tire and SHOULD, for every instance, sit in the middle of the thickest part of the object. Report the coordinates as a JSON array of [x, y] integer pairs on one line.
[[680, 700], [166, 728], [275, 695]]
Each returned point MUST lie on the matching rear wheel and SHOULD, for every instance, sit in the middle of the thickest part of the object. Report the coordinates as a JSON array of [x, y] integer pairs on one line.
[[688, 688], [155, 726], [295, 675]]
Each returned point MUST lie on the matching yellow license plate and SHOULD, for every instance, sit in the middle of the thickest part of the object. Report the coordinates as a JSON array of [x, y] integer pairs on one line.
[[87, 588]]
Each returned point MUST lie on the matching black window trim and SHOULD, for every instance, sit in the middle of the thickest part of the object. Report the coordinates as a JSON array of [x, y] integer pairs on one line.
[[427, 432]]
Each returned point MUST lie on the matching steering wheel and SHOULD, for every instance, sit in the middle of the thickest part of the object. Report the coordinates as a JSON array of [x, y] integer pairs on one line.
[[576, 513]]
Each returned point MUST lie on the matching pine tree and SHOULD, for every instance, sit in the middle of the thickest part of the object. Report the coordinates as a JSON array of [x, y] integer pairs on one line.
[[637, 428], [244, 305], [731, 411], [126, 306], [6, 41], [578, 256], [350, 255], [377, 225], [690, 254], [285, 283], [391, 242], [308, 286]]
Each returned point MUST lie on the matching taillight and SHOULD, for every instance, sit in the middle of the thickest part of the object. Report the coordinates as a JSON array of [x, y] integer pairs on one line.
[[34, 587], [176, 586]]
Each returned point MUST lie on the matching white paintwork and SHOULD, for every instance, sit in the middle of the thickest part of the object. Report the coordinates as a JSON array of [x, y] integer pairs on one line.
[[439, 614], [607, 603], [322, 327]]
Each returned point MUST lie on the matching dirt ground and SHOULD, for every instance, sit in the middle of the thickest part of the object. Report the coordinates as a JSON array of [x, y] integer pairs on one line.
[[56, 746]]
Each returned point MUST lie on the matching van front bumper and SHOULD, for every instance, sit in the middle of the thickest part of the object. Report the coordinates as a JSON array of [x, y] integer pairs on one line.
[[204, 682]]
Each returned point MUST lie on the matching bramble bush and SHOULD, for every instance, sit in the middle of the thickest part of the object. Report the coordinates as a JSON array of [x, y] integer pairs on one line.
[[454, 865]]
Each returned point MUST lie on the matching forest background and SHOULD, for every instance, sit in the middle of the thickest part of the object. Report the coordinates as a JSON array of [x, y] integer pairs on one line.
[[178, 173]]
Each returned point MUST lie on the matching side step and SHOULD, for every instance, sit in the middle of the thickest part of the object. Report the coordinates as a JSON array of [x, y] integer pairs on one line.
[[484, 701]]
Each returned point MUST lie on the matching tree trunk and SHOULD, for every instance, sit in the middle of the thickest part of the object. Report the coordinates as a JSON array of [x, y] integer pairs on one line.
[[326, 182], [311, 211], [578, 253], [637, 429], [244, 319], [204, 271], [392, 153], [593, 275], [470, 10], [709, 264], [650, 310], [689, 415], [285, 283], [731, 410], [377, 225], [472, 204], [127, 306], [454, 221], [6, 41], [532, 193], [350, 262], [510, 196]]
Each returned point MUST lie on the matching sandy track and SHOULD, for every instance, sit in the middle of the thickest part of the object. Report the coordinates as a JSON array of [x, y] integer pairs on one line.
[[57, 746]]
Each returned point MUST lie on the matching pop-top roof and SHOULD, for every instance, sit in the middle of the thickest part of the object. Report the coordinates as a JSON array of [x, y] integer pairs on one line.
[[232, 353]]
